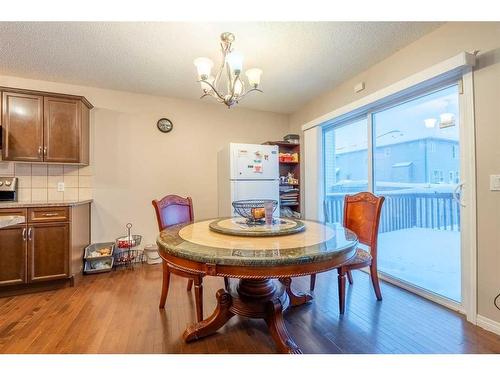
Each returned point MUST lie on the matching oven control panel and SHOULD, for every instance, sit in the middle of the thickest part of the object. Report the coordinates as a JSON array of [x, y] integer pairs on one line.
[[8, 188]]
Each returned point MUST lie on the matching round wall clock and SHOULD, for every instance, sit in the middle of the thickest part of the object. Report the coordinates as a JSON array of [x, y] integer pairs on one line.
[[164, 125]]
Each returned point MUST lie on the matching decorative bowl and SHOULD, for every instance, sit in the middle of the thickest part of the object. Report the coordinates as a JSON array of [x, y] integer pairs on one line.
[[253, 209]]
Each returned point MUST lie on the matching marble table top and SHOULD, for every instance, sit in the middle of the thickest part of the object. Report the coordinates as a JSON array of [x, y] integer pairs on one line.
[[196, 242], [6, 221]]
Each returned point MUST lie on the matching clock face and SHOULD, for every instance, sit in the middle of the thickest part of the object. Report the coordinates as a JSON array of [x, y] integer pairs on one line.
[[164, 125]]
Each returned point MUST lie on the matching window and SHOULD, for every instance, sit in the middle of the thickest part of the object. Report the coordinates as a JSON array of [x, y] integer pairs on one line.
[[346, 170], [437, 177], [432, 146]]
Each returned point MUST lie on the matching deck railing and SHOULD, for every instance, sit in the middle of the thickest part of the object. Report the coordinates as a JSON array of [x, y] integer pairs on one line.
[[406, 210]]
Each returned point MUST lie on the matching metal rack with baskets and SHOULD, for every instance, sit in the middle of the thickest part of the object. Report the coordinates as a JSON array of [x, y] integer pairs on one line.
[[126, 252]]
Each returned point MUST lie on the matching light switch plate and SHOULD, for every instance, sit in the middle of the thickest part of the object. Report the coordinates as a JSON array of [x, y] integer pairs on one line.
[[495, 182], [60, 186]]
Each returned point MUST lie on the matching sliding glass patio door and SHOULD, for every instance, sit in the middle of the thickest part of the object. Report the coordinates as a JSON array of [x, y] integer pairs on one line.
[[346, 165], [409, 152], [416, 166]]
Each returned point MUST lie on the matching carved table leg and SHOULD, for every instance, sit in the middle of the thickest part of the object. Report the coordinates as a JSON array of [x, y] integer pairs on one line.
[[210, 325], [165, 284], [278, 329], [198, 295], [296, 299]]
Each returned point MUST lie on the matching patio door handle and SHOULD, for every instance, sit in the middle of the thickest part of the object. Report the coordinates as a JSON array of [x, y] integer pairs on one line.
[[457, 193]]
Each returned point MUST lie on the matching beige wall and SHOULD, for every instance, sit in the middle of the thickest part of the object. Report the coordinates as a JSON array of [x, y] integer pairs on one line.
[[433, 48], [133, 163]]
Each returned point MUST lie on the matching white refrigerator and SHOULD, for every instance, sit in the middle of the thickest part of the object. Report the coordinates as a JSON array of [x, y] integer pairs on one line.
[[247, 171]]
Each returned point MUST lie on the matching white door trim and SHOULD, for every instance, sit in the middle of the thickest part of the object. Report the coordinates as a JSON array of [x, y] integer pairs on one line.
[[468, 213]]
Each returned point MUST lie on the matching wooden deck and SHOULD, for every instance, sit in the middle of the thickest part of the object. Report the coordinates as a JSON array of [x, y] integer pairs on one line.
[[118, 312]]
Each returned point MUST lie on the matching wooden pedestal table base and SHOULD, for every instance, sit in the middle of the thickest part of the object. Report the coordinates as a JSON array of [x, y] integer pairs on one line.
[[256, 299]]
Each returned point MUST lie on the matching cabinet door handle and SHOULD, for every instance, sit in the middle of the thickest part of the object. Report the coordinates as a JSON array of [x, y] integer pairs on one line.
[[50, 214], [45, 151], [29, 233], [39, 151], [24, 234]]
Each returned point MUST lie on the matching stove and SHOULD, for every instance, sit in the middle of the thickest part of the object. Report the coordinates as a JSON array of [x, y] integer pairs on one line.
[[8, 189]]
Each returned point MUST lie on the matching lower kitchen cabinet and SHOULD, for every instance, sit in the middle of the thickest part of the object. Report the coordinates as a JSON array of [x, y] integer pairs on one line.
[[46, 250], [13, 259]]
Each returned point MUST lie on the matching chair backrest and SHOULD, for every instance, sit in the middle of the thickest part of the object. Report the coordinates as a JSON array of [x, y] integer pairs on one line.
[[172, 209], [362, 216]]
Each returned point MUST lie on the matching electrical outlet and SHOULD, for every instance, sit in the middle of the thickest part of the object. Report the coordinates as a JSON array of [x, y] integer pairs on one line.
[[60, 186], [494, 182]]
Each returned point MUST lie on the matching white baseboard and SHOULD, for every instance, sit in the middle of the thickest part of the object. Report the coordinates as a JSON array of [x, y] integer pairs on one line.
[[488, 324]]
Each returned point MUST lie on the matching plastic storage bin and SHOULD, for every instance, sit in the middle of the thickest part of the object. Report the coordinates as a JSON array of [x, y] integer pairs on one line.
[[96, 246], [98, 265]]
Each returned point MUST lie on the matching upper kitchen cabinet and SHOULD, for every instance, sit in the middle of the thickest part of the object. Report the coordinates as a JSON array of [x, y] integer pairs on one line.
[[22, 127], [66, 128], [45, 127]]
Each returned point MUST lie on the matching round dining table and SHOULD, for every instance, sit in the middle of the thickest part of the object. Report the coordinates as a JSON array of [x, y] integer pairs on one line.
[[263, 266]]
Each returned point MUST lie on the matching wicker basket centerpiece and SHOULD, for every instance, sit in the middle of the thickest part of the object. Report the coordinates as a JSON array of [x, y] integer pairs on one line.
[[253, 209]]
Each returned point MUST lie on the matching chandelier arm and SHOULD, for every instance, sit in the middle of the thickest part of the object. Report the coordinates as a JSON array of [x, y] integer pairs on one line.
[[233, 86], [249, 91], [213, 88], [221, 68]]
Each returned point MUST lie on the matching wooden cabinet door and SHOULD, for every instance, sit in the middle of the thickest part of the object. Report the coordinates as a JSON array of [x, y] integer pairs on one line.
[[61, 130], [22, 127], [48, 251], [13, 255]]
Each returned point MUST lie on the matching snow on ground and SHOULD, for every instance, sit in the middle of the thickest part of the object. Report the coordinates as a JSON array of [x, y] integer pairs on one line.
[[428, 258]]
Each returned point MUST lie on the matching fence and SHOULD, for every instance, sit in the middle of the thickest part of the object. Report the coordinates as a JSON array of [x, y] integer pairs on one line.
[[406, 210]]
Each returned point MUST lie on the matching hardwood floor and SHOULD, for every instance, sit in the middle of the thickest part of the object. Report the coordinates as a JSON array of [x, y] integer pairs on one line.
[[118, 312]]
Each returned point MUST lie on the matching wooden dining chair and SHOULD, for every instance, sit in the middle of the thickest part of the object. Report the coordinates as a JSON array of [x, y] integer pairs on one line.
[[172, 210], [362, 216]]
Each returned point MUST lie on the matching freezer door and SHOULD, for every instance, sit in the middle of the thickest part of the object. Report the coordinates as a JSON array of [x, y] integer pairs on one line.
[[255, 190], [254, 162]]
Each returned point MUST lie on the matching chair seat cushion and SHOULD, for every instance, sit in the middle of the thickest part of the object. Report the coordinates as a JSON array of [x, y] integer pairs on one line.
[[361, 257]]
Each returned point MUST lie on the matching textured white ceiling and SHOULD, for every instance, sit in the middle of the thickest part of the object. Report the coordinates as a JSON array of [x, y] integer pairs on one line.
[[300, 59]]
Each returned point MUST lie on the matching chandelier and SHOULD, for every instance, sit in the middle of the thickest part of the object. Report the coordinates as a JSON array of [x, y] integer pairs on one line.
[[232, 64]]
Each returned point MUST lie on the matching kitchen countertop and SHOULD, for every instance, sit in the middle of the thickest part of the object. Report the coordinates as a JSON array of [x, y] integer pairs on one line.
[[6, 221], [44, 204]]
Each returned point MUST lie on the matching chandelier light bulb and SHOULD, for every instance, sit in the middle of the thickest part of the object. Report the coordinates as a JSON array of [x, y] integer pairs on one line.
[[430, 123], [204, 66], [235, 61], [253, 76]]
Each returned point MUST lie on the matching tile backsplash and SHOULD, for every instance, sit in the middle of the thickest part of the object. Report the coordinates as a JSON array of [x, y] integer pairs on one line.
[[38, 182]]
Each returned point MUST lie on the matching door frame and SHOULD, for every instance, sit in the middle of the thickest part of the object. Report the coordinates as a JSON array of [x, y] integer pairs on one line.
[[468, 220], [460, 68]]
